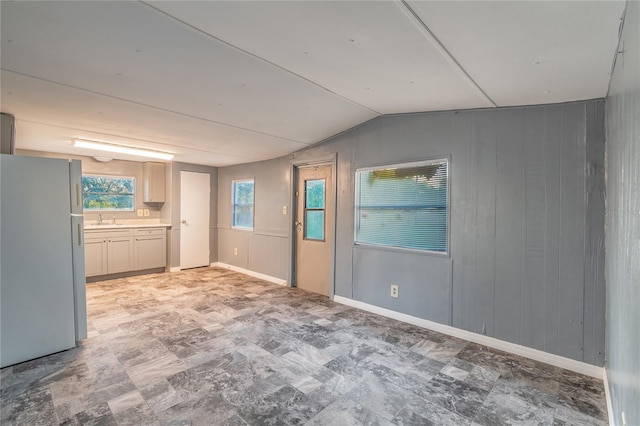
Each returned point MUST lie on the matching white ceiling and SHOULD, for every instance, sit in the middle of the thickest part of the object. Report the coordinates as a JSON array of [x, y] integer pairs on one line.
[[220, 83]]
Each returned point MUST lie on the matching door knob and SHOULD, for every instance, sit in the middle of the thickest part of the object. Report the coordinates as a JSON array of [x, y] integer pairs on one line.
[[298, 224], [184, 221]]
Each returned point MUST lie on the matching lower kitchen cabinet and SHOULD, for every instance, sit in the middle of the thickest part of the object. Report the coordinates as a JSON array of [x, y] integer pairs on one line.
[[124, 250], [95, 255], [150, 248], [120, 257]]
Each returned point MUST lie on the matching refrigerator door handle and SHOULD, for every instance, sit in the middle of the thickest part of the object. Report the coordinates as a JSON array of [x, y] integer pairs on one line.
[[78, 195], [80, 227]]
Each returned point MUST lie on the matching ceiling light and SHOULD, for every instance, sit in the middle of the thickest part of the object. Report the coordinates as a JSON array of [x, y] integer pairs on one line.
[[101, 146], [102, 159]]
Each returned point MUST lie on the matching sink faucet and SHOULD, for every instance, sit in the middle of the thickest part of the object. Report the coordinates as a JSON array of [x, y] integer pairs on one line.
[[99, 218]]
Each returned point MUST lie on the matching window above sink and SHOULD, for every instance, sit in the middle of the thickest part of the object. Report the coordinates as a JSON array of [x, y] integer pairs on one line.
[[108, 193]]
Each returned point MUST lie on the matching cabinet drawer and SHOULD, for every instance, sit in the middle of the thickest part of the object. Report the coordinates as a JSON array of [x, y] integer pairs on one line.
[[149, 231], [117, 233]]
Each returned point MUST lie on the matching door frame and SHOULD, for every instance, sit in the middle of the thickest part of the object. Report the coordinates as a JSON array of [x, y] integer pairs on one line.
[[294, 165]]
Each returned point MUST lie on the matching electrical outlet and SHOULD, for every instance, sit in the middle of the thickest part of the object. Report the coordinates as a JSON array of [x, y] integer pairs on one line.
[[284, 209], [140, 212], [146, 212], [235, 251], [394, 290]]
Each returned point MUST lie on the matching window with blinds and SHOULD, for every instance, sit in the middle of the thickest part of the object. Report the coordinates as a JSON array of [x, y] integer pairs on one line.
[[404, 205]]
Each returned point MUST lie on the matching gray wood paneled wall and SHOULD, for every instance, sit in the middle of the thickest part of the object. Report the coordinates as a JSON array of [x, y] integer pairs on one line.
[[527, 215], [623, 224], [266, 248]]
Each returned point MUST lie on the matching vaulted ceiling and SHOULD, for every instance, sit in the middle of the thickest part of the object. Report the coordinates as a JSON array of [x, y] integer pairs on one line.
[[222, 83]]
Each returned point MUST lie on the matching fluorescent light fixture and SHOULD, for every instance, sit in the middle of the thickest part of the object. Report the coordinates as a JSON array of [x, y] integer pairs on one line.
[[101, 146]]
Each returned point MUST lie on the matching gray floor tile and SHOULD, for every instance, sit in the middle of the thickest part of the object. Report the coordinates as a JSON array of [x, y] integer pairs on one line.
[[211, 346]]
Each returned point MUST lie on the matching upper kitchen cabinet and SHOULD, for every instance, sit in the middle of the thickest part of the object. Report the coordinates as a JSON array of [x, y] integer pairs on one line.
[[153, 177]]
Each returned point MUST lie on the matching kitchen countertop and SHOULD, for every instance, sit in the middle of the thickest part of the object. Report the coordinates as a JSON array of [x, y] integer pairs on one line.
[[95, 227]]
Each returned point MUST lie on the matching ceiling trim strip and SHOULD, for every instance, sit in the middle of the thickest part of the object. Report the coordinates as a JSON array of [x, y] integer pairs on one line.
[[411, 14], [619, 49]]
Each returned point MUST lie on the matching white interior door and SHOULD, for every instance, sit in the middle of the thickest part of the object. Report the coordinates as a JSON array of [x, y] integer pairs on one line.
[[194, 219]]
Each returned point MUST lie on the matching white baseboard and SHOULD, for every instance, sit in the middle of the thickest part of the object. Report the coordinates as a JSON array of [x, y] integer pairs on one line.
[[175, 269], [607, 394], [269, 278], [535, 354]]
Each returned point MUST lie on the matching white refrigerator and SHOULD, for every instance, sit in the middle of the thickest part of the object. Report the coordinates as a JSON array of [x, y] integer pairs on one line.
[[42, 280]]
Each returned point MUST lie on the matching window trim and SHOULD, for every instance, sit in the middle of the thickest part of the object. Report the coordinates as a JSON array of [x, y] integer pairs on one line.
[[398, 249], [233, 205], [133, 194]]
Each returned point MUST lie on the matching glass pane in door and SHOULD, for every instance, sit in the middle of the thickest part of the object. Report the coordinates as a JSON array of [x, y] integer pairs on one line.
[[314, 204], [314, 225], [314, 194]]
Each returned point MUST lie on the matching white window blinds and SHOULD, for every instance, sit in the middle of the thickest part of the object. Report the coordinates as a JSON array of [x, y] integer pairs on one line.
[[404, 206]]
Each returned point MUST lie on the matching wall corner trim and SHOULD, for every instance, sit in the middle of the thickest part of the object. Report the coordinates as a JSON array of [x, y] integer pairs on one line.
[[535, 354], [265, 277], [175, 269], [607, 394]]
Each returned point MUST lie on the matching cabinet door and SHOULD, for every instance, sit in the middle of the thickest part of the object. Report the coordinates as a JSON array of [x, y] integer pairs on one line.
[[150, 252], [154, 182], [120, 254], [95, 256]]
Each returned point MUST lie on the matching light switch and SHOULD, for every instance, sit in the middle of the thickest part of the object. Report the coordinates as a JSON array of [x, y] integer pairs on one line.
[[146, 212], [140, 212], [284, 209]]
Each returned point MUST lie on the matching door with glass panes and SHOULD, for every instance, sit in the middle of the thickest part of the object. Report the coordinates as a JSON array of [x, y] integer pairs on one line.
[[314, 219]]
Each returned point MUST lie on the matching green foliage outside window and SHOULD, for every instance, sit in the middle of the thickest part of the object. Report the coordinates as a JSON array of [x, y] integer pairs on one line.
[[243, 204], [108, 193]]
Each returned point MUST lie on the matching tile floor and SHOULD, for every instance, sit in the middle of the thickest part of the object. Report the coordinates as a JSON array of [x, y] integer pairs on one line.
[[213, 347]]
